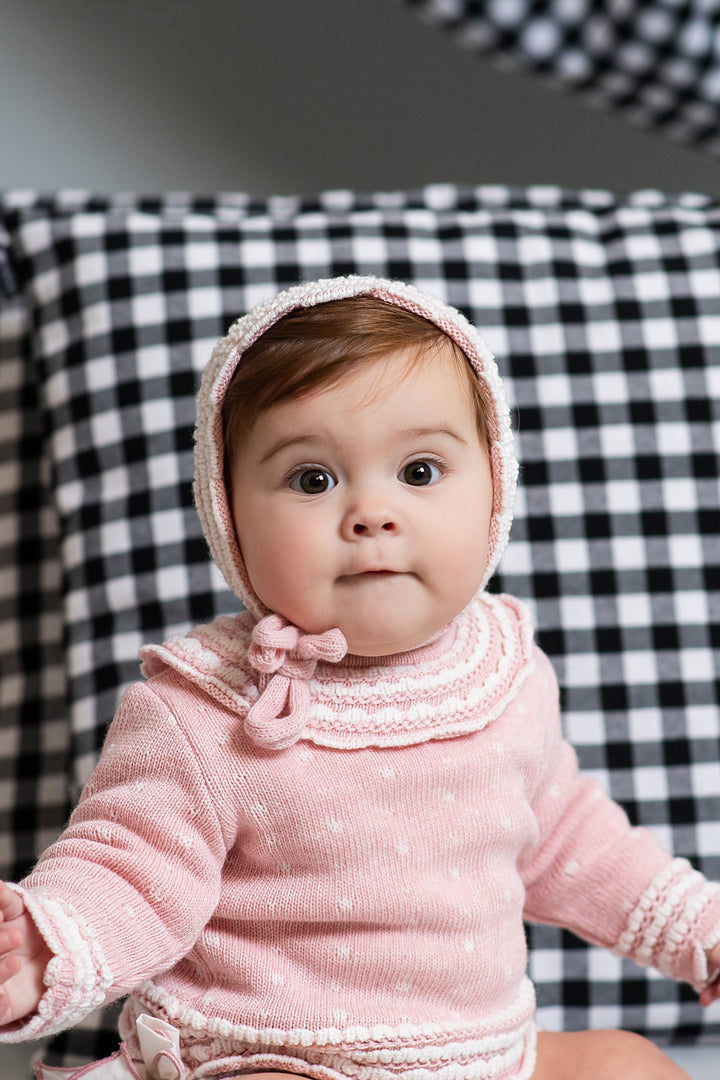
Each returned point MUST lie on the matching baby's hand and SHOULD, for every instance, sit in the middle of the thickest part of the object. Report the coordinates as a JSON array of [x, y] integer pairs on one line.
[[712, 992], [23, 959]]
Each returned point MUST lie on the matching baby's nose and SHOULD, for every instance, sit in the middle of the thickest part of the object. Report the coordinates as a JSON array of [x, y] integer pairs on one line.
[[368, 527]]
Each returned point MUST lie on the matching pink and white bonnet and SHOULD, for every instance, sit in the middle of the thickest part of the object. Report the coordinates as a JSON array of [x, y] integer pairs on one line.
[[210, 492]]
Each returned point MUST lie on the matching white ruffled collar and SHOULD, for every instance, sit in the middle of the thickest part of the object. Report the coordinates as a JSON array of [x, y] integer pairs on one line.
[[453, 685]]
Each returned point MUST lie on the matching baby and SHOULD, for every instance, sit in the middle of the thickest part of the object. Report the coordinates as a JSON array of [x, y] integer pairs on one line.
[[315, 829]]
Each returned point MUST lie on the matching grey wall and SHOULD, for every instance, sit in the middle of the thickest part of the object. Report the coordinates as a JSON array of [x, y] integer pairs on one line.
[[291, 96]]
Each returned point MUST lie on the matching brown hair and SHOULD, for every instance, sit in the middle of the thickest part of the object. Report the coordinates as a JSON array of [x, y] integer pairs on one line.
[[313, 347]]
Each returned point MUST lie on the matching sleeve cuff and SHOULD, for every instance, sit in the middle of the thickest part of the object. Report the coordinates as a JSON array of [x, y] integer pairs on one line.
[[77, 978], [674, 924]]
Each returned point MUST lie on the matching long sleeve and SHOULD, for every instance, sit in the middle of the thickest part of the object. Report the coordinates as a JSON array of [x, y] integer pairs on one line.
[[609, 882], [145, 842]]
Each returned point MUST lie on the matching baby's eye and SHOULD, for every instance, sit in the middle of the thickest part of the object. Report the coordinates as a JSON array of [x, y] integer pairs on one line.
[[313, 481], [420, 473]]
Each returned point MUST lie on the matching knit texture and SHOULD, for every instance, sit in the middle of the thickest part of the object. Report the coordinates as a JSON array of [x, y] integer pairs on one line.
[[349, 913], [430, 693]]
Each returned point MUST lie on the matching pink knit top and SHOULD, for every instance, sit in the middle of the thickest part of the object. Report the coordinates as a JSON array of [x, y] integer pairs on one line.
[[352, 904]]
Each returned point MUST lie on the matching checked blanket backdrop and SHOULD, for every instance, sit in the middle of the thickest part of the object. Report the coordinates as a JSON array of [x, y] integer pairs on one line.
[[604, 313], [655, 62]]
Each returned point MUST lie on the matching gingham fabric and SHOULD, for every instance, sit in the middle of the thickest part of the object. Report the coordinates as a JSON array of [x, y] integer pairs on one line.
[[605, 317], [656, 61], [34, 729]]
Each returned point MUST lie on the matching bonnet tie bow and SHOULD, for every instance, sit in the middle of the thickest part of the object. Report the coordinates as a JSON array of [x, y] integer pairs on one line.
[[286, 658]]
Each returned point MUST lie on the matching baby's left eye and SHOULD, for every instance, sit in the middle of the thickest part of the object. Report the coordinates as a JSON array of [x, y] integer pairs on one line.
[[420, 473]]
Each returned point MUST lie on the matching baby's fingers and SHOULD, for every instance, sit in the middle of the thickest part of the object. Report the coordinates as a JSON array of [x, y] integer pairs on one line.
[[10, 941], [9, 965], [11, 906]]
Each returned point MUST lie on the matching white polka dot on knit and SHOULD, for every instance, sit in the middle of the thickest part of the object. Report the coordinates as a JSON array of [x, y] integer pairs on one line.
[[344, 952], [402, 848], [185, 842], [499, 747], [454, 872], [335, 826], [554, 791], [448, 796], [387, 772], [572, 867], [469, 945], [277, 978], [345, 903]]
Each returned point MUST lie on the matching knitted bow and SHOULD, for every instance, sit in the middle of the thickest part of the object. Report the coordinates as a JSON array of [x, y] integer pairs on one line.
[[286, 659]]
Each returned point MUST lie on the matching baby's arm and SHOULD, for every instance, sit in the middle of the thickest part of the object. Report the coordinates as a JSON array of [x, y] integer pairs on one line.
[[23, 959]]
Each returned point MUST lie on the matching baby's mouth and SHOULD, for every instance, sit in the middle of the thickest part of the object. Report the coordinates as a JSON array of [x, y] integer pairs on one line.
[[358, 576]]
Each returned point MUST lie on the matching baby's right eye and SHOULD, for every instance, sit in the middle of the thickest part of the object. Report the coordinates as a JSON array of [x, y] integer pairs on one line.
[[313, 481]]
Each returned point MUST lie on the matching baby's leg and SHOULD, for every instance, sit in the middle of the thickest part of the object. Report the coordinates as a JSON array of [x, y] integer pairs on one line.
[[602, 1055], [266, 1076], [581, 1055]]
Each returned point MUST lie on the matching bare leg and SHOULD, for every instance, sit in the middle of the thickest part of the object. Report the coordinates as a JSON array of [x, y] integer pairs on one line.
[[267, 1076], [602, 1055], [583, 1055]]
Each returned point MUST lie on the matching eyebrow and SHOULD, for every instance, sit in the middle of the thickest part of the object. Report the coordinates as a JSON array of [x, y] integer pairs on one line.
[[429, 432], [286, 443], [310, 439]]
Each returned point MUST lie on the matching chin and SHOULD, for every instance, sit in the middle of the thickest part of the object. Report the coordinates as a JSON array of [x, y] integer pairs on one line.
[[388, 647]]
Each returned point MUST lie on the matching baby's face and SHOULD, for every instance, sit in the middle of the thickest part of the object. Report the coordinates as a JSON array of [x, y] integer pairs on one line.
[[366, 506]]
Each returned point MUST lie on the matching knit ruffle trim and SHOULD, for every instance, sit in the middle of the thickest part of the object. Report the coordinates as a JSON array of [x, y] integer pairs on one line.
[[396, 701], [500, 1045], [662, 928], [77, 977]]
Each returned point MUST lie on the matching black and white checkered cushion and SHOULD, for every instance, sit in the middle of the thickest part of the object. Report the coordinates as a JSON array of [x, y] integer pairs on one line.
[[658, 62], [605, 316]]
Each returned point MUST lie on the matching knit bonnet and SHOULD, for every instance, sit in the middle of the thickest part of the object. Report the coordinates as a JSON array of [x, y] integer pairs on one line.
[[211, 496]]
